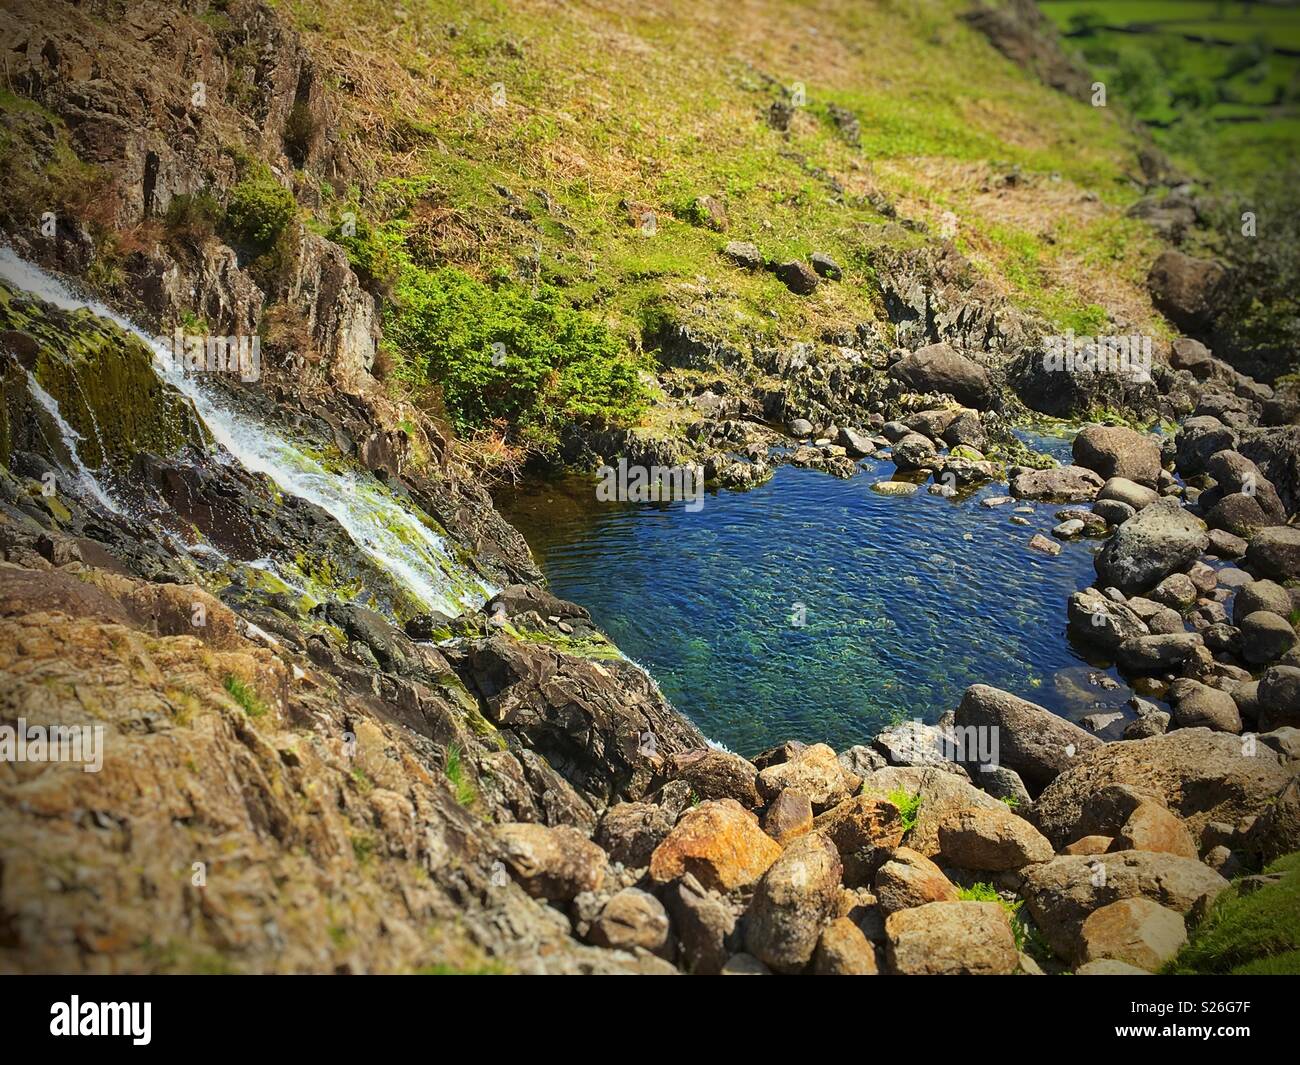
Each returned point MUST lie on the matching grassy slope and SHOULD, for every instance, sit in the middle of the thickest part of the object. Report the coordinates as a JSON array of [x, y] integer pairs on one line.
[[660, 103]]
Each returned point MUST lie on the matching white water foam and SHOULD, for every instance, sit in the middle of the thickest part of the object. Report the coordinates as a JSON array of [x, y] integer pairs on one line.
[[70, 440], [393, 538]]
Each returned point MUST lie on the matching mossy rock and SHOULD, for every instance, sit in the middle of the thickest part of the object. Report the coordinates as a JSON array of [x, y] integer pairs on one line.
[[1249, 932], [102, 379]]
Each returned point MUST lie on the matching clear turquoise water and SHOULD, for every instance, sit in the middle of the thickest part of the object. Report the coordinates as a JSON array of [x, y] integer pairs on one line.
[[906, 602]]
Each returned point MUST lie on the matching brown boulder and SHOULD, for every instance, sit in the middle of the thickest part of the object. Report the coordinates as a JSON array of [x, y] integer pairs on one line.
[[792, 903], [719, 843], [789, 816], [952, 938], [844, 951], [863, 829], [993, 840], [552, 863], [1137, 931], [910, 879]]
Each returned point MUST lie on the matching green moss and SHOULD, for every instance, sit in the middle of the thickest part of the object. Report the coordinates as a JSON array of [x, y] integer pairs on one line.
[[1251, 933], [245, 696], [103, 381]]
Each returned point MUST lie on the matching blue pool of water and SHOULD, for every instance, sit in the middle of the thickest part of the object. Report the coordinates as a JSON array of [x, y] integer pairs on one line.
[[814, 608]]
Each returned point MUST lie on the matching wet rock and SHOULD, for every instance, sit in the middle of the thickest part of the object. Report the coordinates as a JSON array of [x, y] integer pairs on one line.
[[1135, 931], [1039, 542], [792, 903], [551, 863], [584, 717], [1063, 484], [1114, 451], [719, 843], [1162, 538], [894, 488], [951, 938]]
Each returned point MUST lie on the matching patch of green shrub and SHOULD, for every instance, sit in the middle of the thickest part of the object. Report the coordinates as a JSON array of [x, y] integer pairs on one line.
[[908, 807], [505, 357], [259, 210], [245, 696]]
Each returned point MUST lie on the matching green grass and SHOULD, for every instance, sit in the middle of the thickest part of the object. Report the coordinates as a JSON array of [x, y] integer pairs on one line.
[[1251, 934], [461, 784], [245, 696], [1028, 939], [510, 214], [908, 805]]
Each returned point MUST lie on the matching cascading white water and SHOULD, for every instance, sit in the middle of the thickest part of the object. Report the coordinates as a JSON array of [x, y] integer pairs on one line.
[[70, 440], [390, 535]]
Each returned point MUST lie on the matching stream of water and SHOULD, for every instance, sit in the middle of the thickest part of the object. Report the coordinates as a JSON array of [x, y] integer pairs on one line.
[[394, 538]]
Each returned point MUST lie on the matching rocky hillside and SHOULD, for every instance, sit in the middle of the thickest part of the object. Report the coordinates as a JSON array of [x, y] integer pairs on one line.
[[347, 730]]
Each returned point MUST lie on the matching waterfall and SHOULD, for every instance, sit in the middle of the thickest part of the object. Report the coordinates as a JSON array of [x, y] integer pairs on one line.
[[390, 535], [70, 439]]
